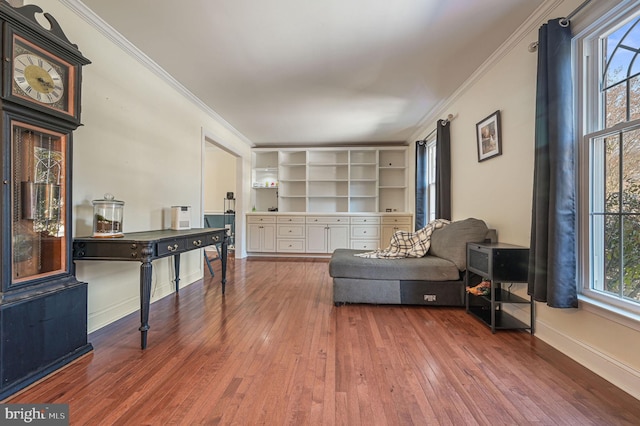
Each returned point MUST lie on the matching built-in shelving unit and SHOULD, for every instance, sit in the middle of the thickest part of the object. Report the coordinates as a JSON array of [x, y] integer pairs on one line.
[[393, 180], [330, 180], [264, 181], [293, 179]]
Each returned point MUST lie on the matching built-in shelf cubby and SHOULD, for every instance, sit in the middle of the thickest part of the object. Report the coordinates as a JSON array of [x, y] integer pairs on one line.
[[330, 180]]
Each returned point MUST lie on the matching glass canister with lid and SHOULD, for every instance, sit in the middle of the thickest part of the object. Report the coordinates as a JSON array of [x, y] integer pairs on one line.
[[107, 217]]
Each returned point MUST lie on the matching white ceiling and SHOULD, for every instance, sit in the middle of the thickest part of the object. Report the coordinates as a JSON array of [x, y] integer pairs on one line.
[[293, 72]]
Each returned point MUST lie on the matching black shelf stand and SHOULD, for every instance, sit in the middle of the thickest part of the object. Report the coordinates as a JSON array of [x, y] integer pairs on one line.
[[499, 263], [229, 213]]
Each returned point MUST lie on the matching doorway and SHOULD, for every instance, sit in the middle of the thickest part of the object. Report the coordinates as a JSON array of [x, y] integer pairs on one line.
[[222, 191]]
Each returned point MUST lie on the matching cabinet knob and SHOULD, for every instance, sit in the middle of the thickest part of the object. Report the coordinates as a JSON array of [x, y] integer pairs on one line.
[[172, 248], [197, 243], [364, 232]]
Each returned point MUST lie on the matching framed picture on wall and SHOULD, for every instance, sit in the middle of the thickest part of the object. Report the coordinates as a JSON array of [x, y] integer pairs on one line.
[[489, 137]]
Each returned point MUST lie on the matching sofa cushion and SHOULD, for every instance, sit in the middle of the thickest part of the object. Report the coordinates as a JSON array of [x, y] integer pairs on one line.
[[344, 264], [451, 241]]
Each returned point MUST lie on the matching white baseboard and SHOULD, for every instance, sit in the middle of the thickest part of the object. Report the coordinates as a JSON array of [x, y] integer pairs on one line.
[[612, 370], [100, 319]]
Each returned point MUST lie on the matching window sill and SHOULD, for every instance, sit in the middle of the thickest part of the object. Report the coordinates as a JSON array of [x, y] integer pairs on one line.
[[598, 305]]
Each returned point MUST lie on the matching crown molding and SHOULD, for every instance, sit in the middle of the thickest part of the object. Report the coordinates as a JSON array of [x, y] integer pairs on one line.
[[89, 16], [427, 123]]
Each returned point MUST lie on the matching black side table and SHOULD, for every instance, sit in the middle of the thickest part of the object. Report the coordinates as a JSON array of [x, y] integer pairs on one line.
[[500, 263]]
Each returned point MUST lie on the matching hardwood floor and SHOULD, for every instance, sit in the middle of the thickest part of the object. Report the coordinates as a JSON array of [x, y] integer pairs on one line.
[[274, 350]]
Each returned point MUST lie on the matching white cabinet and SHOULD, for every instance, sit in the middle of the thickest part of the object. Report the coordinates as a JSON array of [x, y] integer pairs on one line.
[[325, 234], [290, 234], [391, 224], [300, 233], [330, 180], [365, 232], [261, 234]]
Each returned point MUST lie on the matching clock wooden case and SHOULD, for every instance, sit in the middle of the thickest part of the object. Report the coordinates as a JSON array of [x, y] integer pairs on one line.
[[43, 307]]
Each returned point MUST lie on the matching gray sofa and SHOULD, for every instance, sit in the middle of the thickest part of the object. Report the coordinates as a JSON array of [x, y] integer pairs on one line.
[[435, 279]]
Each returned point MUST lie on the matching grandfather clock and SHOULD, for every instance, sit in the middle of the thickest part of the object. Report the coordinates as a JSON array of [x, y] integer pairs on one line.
[[43, 307]]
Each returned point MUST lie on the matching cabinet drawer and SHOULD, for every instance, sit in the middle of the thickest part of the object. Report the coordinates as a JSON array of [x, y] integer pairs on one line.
[[290, 219], [328, 219], [365, 231], [291, 231], [290, 246], [261, 219], [374, 220], [364, 244], [390, 220]]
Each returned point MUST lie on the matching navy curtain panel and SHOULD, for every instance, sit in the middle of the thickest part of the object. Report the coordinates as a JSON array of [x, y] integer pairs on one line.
[[443, 170], [552, 261], [422, 215]]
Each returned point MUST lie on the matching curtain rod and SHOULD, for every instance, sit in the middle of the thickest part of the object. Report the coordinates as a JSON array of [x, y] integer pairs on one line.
[[444, 122], [577, 10], [533, 46]]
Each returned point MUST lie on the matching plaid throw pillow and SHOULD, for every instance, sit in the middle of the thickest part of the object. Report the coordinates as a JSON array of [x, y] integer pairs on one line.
[[407, 244]]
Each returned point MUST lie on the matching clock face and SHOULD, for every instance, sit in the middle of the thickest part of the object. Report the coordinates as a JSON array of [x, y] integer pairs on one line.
[[38, 78], [41, 77]]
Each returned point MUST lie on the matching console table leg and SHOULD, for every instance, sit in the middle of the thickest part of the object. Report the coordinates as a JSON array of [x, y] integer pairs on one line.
[[145, 300], [176, 262], [223, 259]]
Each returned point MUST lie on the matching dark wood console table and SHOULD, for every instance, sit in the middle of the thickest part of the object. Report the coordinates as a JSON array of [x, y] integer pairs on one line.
[[146, 247]]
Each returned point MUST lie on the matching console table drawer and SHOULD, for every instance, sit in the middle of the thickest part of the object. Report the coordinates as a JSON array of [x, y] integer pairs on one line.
[[180, 245], [172, 246]]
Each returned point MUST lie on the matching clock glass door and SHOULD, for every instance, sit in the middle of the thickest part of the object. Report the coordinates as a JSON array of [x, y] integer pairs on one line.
[[39, 245]]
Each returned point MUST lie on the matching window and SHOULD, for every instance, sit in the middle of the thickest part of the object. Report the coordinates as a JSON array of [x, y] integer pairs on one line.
[[430, 177], [610, 161]]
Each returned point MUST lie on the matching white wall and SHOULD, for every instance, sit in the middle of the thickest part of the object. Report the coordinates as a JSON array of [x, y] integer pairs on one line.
[[142, 141], [219, 178], [499, 190]]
